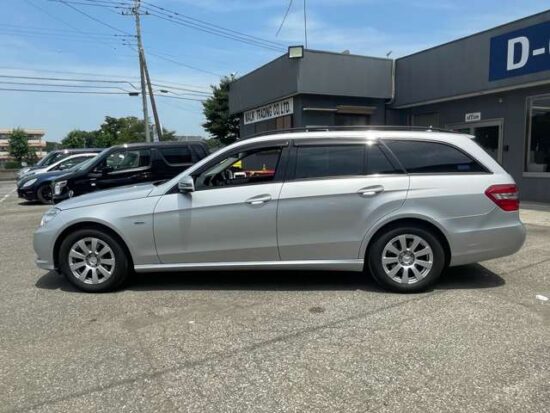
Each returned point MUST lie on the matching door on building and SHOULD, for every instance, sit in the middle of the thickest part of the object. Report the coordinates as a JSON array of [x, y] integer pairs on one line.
[[488, 134]]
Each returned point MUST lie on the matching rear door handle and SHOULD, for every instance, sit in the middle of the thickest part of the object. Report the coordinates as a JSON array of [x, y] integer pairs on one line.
[[370, 190], [258, 199]]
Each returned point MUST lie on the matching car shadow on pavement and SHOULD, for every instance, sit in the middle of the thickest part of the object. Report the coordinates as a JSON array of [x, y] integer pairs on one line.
[[464, 277]]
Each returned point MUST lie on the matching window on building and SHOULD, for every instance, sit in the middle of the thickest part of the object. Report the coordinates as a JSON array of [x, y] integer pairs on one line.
[[329, 161], [432, 157], [538, 147]]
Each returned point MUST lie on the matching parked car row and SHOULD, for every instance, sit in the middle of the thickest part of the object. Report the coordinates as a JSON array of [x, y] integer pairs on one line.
[[79, 173], [403, 205]]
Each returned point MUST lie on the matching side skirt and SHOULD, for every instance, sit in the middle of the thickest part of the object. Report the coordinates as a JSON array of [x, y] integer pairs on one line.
[[327, 265]]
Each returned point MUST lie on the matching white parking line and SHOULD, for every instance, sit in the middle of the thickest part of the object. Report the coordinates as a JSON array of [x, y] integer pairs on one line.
[[7, 195]]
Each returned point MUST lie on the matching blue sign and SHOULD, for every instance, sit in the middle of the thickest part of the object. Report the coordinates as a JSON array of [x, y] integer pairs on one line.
[[520, 52]]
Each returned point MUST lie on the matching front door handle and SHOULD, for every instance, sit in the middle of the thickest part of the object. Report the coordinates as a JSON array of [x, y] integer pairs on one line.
[[370, 190], [258, 199]]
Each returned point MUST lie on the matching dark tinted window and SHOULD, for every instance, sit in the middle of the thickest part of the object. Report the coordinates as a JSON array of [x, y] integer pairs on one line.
[[128, 159], [378, 163], [179, 154], [330, 160], [431, 157]]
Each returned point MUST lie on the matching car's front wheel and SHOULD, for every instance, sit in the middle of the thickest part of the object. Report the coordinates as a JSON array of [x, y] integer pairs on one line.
[[93, 260], [44, 193], [406, 259]]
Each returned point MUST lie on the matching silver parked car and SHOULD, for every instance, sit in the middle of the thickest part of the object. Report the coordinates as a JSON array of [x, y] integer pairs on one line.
[[400, 204]]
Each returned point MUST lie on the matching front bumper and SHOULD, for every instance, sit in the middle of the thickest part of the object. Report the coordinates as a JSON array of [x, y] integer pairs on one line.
[[28, 194], [43, 243]]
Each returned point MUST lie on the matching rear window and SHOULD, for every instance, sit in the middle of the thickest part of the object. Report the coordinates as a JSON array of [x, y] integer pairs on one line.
[[177, 155], [329, 161], [433, 157]]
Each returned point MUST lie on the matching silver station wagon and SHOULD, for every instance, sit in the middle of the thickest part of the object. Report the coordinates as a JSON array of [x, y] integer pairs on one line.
[[399, 204]]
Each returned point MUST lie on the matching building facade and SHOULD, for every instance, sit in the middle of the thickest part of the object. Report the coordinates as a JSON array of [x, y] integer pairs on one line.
[[34, 137], [494, 85]]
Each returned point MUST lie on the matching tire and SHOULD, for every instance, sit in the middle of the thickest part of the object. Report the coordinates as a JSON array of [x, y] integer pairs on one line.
[[44, 194], [403, 269], [98, 271]]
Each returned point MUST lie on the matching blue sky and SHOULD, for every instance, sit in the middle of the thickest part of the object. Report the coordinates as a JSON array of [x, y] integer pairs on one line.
[[45, 38]]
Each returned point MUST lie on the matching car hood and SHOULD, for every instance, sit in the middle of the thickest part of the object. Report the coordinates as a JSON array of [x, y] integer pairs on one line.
[[40, 177], [123, 193]]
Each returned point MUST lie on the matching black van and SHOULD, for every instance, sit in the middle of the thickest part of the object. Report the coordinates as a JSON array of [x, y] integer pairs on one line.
[[129, 164]]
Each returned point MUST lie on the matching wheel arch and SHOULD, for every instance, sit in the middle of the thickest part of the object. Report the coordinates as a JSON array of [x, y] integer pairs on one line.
[[416, 221], [90, 225]]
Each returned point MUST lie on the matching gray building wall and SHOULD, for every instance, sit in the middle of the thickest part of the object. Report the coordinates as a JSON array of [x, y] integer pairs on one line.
[[321, 73], [457, 68]]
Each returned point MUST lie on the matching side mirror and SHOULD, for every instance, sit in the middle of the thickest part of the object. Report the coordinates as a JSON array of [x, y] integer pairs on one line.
[[186, 184], [106, 169]]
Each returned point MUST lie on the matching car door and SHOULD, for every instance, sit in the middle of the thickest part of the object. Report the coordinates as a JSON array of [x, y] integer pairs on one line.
[[335, 191], [122, 167], [231, 215]]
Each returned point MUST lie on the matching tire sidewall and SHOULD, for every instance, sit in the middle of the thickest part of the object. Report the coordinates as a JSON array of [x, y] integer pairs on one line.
[[40, 197], [375, 262], [121, 261]]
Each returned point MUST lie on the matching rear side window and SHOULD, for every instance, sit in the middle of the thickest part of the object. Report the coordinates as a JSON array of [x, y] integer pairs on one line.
[[329, 161], [177, 155], [378, 163], [200, 151], [433, 157]]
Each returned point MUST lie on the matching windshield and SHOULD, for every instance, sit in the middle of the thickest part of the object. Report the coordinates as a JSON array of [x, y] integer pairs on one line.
[[49, 159], [84, 165]]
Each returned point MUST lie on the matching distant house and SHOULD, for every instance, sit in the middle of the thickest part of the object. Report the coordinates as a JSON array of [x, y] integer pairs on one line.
[[34, 137]]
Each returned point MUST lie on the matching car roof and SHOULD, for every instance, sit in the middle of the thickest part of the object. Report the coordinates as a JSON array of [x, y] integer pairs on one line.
[[367, 134], [154, 144]]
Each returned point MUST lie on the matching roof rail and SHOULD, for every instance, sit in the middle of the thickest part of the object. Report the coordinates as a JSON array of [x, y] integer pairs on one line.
[[351, 128]]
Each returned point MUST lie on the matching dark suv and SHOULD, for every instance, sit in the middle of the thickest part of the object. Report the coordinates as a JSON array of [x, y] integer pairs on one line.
[[128, 164]]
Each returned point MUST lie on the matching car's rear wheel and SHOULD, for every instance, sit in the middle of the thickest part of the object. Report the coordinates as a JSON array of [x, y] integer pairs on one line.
[[44, 193], [406, 259], [93, 261]]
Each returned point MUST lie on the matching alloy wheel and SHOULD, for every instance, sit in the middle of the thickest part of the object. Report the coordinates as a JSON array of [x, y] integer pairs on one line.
[[91, 260], [407, 258]]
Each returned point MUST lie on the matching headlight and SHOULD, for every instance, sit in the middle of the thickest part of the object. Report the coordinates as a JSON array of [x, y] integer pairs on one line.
[[49, 215], [58, 187], [29, 183]]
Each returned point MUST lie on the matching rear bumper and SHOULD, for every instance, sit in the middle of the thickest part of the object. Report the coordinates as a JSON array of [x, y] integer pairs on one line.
[[484, 244]]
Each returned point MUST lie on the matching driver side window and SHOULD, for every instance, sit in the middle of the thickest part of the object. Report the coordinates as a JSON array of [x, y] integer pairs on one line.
[[128, 159], [254, 166]]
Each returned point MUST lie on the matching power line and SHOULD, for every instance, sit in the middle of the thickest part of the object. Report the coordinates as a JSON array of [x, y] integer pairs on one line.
[[67, 79], [164, 82], [212, 25], [284, 18], [188, 21], [92, 17]]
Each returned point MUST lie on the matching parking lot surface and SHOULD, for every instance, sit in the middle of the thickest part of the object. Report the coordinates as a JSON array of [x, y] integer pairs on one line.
[[274, 341]]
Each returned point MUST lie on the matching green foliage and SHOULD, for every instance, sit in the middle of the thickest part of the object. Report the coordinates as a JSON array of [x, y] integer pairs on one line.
[[52, 146], [12, 165], [221, 125], [113, 131], [79, 139], [18, 145]]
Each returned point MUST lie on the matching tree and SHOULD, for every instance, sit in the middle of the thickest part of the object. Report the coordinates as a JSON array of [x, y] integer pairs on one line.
[[18, 146], [221, 125], [113, 131], [79, 139]]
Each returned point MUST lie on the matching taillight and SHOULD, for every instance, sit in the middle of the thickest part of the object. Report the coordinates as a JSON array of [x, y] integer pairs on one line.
[[506, 196]]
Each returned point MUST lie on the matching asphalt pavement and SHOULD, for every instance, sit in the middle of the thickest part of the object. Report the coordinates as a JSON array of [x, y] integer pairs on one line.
[[274, 341]]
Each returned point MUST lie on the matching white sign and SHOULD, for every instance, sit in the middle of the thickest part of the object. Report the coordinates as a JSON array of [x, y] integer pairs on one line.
[[472, 117], [273, 110]]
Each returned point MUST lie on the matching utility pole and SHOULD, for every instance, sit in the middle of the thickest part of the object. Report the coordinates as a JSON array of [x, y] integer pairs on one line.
[[135, 11], [152, 97]]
